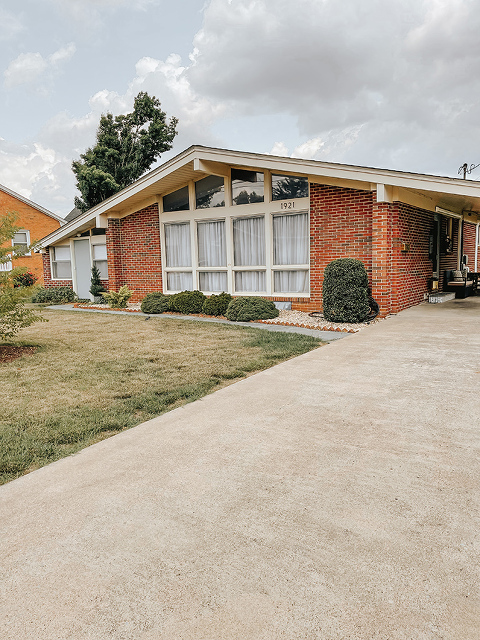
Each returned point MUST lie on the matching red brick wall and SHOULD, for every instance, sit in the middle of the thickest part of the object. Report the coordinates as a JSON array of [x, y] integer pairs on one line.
[[340, 227], [469, 233], [134, 254], [411, 270]]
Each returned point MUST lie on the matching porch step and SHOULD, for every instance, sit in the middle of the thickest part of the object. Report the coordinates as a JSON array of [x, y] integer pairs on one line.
[[441, 296]]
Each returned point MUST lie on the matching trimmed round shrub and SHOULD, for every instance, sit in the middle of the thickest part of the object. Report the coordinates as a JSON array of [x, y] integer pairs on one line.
[[217, 305], [187, 302], [55, 295], [345, 291], [156, 302], [244, 309]]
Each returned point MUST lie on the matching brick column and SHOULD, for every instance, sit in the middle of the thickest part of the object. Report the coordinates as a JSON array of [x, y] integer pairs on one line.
[[114, 257], [382, 254]]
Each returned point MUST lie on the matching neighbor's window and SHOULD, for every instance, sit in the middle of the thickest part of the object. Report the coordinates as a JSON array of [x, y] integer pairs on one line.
[[210, 192], [21, 240], [247, 186], [177, 201], [100, 259], [286, 187], [61, 266]]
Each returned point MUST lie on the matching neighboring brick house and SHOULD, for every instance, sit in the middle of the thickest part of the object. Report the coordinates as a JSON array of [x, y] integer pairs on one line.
[[33, 222], [254, 224]]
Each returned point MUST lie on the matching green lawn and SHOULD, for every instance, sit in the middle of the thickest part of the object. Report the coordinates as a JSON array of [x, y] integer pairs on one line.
[[94, 375]]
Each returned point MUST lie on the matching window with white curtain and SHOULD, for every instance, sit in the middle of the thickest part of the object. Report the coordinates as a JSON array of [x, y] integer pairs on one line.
[[177, 244], [100, 259], [290, 239], [179, 281], [290, 281], [249, 241], [212, 281], [250, 281], [61, 263], [212, 248], [179, 256]]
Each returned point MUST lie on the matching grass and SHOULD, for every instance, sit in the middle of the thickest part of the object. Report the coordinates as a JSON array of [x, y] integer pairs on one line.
[[94, 375]]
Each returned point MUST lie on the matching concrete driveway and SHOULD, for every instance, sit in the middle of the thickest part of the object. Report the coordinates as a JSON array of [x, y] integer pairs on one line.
[[335, 496]]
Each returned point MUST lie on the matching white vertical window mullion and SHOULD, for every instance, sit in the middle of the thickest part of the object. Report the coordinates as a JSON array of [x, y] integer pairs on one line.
[[269, 252], [194, 254], [229, 241]]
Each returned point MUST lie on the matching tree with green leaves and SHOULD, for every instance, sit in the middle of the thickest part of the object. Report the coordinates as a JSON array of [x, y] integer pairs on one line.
[[126, 147], [13, 313]]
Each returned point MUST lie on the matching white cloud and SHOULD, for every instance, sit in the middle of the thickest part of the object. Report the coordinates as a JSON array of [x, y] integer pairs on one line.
[[29, 68], [11, 25]]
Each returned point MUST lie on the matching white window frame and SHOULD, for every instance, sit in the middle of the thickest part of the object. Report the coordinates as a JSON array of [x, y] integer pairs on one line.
[[53, 262], [229, 212], [29, 253], [95, 241]]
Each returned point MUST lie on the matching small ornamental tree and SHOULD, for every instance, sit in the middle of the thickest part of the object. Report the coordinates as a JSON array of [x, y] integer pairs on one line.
[[96, 286], [345, 291], [13, 313]]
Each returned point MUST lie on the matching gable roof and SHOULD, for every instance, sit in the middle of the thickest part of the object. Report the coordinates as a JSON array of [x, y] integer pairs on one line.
[[34, 205], [425, 191]]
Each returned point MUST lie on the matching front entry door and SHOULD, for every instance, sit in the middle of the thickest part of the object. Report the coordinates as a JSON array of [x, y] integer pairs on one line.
[[82, 267]]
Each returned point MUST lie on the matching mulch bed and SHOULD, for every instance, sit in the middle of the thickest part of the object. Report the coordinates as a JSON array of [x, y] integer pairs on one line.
[[9, 352]]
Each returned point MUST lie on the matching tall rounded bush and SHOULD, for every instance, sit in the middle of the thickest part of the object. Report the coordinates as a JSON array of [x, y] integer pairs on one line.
[[345, 291], [244, 309]]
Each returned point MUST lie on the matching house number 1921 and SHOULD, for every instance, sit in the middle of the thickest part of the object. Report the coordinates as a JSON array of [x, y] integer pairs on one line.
[[287, 205]]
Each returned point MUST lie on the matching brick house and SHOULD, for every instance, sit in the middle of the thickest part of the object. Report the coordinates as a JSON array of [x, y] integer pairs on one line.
[[252, 224], [33, 222]]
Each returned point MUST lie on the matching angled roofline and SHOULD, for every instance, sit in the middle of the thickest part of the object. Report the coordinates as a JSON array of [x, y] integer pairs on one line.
[[312, 168], [36, 206]]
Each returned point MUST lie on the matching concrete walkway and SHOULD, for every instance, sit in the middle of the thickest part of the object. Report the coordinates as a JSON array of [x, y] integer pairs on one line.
[[333, 497]]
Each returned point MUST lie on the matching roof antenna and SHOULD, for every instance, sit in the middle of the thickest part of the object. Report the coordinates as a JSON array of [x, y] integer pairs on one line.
[[467, 169]]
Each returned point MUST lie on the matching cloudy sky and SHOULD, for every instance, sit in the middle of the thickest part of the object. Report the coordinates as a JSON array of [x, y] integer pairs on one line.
[[391, 84]]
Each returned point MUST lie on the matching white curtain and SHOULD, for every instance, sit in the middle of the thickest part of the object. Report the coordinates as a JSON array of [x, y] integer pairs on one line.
[[179, 281], [248, 281], [290, 239], [177, 241], [212, 251], [290, 281], [212, 281], [249, 242]]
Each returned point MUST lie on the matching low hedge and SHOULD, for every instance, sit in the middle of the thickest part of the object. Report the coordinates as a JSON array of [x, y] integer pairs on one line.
[[245, 309], [156, 302], [217, 305], [345, 291], [55, 295], [187, 302]]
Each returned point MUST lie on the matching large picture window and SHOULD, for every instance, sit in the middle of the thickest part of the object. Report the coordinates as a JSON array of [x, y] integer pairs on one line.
[[179, 256]]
